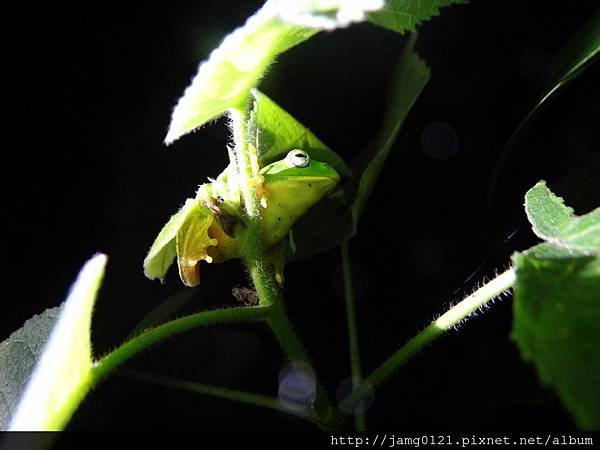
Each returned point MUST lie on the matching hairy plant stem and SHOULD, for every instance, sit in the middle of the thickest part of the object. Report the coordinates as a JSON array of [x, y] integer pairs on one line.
[[269, 293], [114, 359], [248, 177], [355, 364], [435, 329], [293, 348]]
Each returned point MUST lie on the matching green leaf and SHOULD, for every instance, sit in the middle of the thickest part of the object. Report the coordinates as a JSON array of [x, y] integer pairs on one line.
[[577, 54], [556, 317], [63, 373], [18, 355], [551, 251], [163, 250], [274, 132], [557, 302], [407, 82], [334, 220], [405, 15], [556, 223], [570, 62], [241, 60]]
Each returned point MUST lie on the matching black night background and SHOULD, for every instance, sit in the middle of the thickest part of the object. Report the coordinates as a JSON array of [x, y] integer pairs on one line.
[[91, 93]]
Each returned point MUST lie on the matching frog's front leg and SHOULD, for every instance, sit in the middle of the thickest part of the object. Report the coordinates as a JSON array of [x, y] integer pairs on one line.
[[276, 256]]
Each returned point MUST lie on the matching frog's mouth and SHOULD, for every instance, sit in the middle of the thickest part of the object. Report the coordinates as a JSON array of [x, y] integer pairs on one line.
[[323, 184], [318, 184]]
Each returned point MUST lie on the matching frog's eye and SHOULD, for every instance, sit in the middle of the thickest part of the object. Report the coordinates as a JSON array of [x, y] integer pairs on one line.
[[298, 158]]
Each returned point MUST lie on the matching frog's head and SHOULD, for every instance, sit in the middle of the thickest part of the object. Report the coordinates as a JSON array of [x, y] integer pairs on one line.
[[293, 185], [304, 179]]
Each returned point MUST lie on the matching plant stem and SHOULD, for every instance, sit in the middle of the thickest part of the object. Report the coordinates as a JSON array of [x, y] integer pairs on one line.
[[247, 170], [249, 398], [291, 345], [269, 294], [150, 337], [454, 315], [359, 413], [248, 177]]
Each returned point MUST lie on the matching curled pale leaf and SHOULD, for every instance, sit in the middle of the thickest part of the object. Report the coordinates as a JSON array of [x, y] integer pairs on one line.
[[193, 243], [163, 250]]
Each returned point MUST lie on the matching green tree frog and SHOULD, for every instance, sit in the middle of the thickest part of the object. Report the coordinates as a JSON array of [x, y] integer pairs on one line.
[[210, 227]]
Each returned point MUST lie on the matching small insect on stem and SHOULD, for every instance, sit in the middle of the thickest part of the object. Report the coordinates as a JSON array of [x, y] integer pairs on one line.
[[245, 295]]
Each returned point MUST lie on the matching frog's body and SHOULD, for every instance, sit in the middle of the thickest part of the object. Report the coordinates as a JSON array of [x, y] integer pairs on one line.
[[211, 226]]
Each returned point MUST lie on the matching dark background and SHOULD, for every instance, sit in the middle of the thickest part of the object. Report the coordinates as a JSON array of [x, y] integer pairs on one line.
[[85, 170]]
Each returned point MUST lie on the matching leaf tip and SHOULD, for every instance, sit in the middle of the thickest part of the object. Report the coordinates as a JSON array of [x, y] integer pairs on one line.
[[171, 136], [96, 263], [89, 278]]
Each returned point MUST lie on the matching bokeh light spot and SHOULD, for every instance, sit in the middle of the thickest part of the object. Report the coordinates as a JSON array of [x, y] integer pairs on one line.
[[297, 385], [439, 140]]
